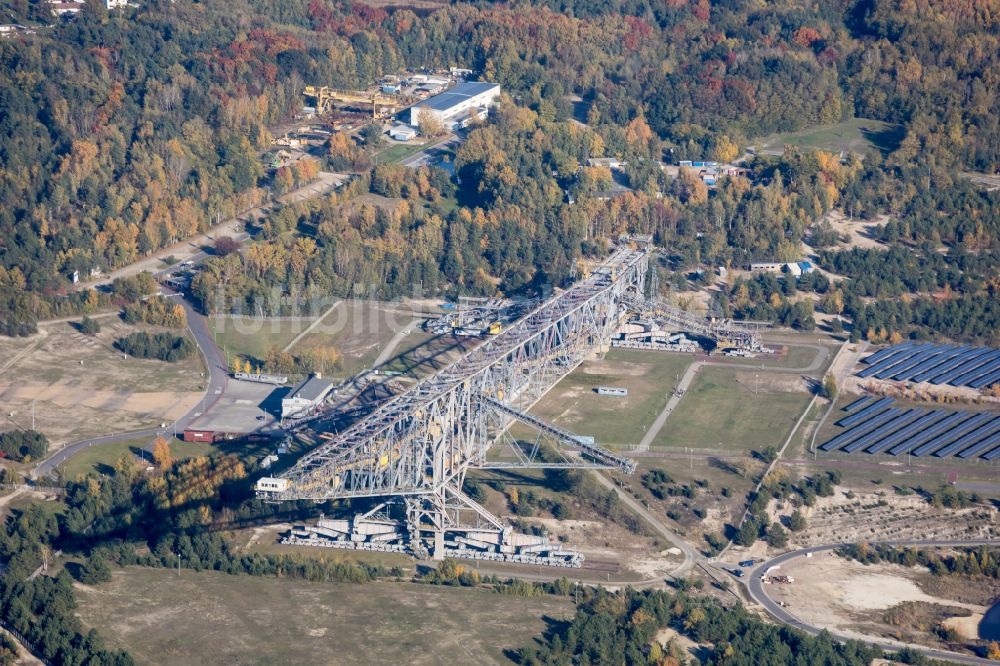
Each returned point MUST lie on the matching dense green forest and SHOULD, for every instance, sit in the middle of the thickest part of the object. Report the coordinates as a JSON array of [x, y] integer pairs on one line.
[[127, 130]]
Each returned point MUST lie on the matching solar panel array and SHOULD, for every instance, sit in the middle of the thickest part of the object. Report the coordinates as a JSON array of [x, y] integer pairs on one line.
[[976, 367], [875, 426]]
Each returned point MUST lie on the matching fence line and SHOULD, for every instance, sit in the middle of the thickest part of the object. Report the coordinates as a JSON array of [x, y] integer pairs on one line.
[[26, 486], [25, 642]]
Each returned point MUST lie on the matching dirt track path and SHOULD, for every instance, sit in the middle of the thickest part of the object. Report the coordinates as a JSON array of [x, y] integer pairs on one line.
[[390, 348], [311, 326]]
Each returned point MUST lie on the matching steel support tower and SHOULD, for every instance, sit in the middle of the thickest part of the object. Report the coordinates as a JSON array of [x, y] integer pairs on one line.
[[419, 445]]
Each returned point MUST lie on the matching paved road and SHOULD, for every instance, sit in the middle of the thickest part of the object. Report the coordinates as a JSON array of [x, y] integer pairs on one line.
[[218, 377], [759, 594], [668, 409], [432, 153]]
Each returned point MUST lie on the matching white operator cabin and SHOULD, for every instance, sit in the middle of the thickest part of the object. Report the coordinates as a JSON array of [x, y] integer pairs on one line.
[[457, 106]]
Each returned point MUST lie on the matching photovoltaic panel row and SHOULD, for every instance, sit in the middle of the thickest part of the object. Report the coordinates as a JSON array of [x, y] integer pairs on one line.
[[931, 432], [878, 356], [993, 455], [894, 360], [897, 430], [928, 363], [895, 438], [976, 367], [871, 410], [986, 380], [859, 403], [981, 447], [988, 428], [884, 430], [972, 375], [973, 363], [947, 437], [944, 370], [868, 426], [917, 359]]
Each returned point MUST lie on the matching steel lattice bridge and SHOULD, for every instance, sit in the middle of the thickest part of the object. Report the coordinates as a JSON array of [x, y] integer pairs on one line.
[[417, 447]]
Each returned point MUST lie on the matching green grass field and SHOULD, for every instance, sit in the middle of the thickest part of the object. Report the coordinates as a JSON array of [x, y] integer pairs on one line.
[[719, 412], [855, 135], [252, 337], [399, 152], [650, 377], [102, 457], [213, 618]]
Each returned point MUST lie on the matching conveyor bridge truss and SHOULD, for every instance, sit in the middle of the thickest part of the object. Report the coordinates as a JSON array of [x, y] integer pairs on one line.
[[418, 446], [724, 332]]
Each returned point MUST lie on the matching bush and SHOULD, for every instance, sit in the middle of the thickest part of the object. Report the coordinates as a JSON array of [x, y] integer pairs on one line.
[[776, 536], [89, 327], [162, 346], [158, 311], [8, 650], [796, 522], [828, 389], [94, 570], [24, 445], [226, 245], [769, 455]]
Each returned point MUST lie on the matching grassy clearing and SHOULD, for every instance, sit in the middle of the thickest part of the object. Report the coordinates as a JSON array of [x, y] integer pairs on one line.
[[723, 410], [252, 337], [360, 330], [208, 617], [650, 378], [399, 152], [855, 135], [102, 458]]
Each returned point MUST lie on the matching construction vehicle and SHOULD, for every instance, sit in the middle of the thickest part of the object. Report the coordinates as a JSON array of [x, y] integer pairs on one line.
[[327, 98]]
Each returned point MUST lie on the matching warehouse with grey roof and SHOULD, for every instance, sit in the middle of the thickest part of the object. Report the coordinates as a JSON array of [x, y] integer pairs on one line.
[[305, 396], [457, 106]]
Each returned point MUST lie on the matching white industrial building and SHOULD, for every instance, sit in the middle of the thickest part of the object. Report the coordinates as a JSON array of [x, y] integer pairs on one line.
[[305, 396], [457, 106], [402, 133], [794, 268]]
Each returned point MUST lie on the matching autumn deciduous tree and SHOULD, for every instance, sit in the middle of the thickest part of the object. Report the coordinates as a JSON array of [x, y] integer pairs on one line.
[[725, 149], [161, 453], [226, 245], [431, 125], [828, 389]]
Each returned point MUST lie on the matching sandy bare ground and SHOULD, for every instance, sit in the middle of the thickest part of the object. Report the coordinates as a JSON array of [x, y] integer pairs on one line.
[[600, 541], [82, 387], [841, 595], [967, 627], [859, 232], [940, 393], [872, 517]]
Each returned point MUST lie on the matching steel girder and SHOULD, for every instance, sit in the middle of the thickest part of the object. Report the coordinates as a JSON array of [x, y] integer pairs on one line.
[[425, 439]]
